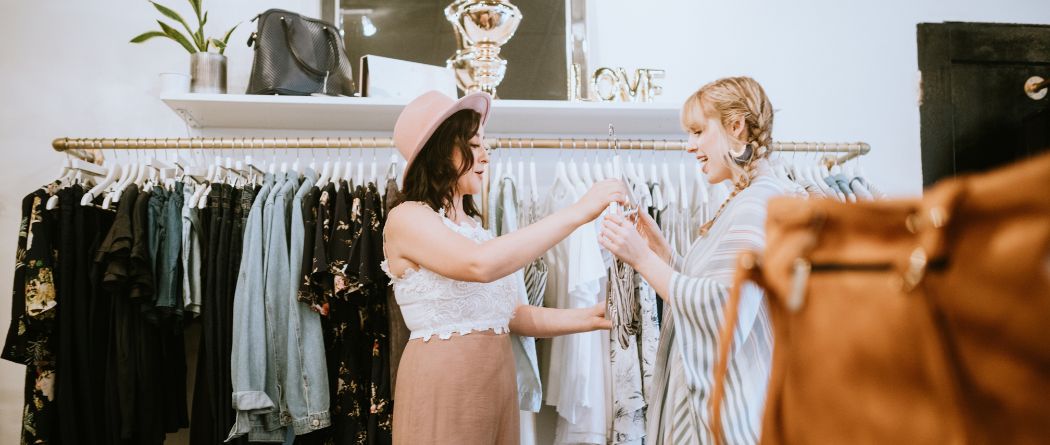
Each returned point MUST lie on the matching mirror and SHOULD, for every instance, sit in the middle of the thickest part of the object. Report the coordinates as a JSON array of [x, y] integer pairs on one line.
[[539, 56]]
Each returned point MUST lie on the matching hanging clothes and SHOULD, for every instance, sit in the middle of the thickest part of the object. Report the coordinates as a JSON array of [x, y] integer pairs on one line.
[[577, 383], [356, 327], [399, 332], [29, 340], [248, 357]]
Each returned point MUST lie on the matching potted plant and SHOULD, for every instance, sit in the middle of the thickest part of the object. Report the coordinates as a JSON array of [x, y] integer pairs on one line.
[[207, 69]]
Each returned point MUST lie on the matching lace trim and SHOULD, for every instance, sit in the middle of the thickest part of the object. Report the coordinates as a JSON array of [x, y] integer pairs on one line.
[[474, 232], [462, 329]]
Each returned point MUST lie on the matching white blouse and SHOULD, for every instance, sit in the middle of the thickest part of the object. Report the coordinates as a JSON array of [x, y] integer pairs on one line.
[[436, 305]]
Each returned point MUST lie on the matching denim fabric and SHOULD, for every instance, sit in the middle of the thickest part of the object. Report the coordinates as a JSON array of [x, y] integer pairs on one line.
[[275, 296], [248, 360], [191, 253], [168, 267], [306, 379]]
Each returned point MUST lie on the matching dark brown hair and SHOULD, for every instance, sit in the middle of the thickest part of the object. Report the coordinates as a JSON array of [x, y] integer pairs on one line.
[[433, 175]]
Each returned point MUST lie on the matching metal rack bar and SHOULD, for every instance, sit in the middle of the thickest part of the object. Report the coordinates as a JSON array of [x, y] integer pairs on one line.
[[852, 149]]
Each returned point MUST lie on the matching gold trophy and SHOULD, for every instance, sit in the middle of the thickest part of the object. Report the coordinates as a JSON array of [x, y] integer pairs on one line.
[[481, 28]]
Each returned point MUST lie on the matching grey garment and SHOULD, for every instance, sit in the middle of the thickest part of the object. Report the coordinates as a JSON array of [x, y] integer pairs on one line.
[[530, 389], [506, 208], [191, 253], [169, 269], [830, 182], [843, 184], [306, 377], [248, 358], [275, 296], [860, 188], [156, 232]]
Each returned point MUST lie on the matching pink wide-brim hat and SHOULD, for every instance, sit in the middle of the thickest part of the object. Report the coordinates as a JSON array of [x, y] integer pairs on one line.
[[421, 117]]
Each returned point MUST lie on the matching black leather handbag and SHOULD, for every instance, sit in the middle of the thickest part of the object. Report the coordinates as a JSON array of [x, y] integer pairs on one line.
[[298, 56]]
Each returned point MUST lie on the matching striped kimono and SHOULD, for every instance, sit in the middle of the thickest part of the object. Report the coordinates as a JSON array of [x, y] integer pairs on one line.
[[693, 316]]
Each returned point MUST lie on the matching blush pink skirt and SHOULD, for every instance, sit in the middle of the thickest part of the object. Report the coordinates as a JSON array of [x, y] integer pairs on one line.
[[460, 391]]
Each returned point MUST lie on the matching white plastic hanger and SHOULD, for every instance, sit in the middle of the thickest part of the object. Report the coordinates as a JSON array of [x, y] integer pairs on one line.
[[391, 172], [348, 171], [533, 184], [684, 202], [574, 174], [336, 171], [326, 172], [97, 190], [295, 165], [669, 189], [375, 164]]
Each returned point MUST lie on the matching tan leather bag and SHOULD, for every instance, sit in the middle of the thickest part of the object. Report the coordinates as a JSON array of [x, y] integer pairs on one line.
[[908, 322]]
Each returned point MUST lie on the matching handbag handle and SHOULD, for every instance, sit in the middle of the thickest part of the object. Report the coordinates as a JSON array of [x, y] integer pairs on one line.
[[333, 61], [746, 269]]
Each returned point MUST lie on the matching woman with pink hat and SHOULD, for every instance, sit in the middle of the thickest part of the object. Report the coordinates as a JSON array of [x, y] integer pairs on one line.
[[460, 289]]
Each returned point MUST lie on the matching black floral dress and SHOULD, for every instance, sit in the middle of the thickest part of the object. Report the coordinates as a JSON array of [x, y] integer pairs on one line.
[[355, 322], [29, 338]]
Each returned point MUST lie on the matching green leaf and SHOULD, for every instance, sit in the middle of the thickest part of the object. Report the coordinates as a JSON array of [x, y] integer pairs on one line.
[[226, 38], [147, 35], [221, 44], [197, 10], [199, 35], [171, 14], [176, 36]]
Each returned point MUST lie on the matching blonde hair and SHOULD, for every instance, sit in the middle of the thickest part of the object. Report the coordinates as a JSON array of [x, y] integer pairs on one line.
[[730, 99]]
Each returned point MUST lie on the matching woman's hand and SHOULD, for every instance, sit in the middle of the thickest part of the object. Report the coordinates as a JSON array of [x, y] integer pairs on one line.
[[650, 232], [544, 322], [622, 239], [595, 318], [599, 196]]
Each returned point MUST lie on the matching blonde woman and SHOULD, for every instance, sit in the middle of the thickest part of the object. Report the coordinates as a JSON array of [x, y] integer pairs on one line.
[[730, 123]]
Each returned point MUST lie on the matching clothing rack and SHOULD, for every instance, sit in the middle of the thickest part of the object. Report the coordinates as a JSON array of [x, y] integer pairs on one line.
[[89, 149]]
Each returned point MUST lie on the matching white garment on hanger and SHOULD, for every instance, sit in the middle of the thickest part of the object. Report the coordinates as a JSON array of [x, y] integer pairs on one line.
[[576, 385]]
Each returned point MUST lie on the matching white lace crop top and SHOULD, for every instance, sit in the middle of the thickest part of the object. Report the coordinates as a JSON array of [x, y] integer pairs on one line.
[[436, 305]]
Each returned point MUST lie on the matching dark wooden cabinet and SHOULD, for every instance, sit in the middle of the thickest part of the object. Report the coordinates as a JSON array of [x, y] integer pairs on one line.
[[974, 112]]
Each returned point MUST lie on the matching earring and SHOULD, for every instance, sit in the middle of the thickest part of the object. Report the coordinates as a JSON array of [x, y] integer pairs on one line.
[[744, 156]]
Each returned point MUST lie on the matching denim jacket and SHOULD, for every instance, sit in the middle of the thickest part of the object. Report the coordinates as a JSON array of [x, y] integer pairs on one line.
[[248, 358], [306, 375]]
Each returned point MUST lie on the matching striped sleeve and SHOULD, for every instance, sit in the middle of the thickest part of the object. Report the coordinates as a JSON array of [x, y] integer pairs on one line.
[[677, 261]]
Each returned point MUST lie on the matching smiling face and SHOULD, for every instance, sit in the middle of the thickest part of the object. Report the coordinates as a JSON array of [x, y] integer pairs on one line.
[[709, 141], [724, 118], [471, 182]]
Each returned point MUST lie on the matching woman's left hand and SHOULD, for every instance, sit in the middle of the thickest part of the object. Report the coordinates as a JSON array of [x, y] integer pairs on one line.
[[596, 317], [622, 239]]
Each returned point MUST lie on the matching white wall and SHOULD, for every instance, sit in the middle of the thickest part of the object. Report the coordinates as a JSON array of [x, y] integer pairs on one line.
[[835, 72]]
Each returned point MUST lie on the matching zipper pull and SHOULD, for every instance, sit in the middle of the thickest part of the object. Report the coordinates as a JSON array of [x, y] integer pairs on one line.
[[324, 86], [252, 37], [799, 279]]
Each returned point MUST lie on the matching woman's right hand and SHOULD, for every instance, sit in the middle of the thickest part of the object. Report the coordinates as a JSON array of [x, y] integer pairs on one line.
[[594, 202], [650, 232]]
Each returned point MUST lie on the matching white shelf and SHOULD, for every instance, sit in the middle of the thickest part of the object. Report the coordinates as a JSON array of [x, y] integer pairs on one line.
[[356, 114]]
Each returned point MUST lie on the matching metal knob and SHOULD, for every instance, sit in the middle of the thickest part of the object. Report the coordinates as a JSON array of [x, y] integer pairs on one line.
[[1036, 87]]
